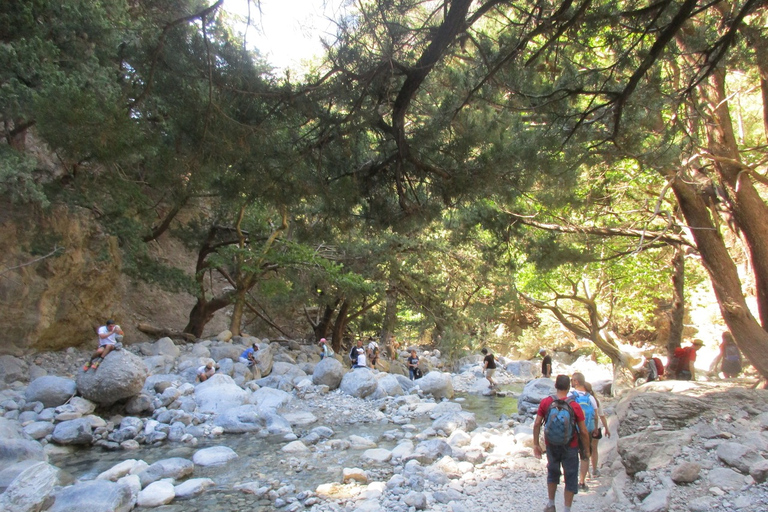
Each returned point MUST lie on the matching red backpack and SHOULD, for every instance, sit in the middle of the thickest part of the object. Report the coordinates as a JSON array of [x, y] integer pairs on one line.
[[659, 366]]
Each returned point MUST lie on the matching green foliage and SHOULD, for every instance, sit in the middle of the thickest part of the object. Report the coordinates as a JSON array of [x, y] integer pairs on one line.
[[17, 179]]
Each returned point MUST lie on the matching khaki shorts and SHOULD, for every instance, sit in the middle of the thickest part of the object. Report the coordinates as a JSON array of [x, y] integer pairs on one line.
[[489, 372]]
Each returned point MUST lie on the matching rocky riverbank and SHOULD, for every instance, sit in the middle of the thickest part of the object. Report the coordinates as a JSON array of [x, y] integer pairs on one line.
[[333, 439]]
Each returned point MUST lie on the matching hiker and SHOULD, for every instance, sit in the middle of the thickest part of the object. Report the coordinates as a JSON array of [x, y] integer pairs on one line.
[[412, 364], [684, 359], [248, 356], [326, 351], [730, 356], [583, 394], [357, 355], [489, 367], [206, 371], [652, 369], [394, 348], [546, 364], [564, 425], [109, 335], [373, 352]]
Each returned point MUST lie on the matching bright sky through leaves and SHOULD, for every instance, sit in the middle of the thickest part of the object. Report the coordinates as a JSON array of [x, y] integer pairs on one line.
[[288, 31]]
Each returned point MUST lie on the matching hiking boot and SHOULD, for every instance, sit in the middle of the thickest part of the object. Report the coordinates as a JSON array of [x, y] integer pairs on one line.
[[550, 508], [95, 365], [583, 487], [86, 367]]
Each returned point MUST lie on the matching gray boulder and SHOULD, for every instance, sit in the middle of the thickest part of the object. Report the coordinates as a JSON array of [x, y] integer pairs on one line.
[[438, 384], [241, 419], [427, 452], [533, 393], [264, 360], [389, 385], [93, 496], [726, 479], [17, 446], [77, 431], [52, 391], [522, 369], [221, 351], [193, 487], [738, 456], [328, 372], [214, 456], [38, 429], [359, 383], [651, 450], [162, 347], [12, 369], [121, 375], [218, 394], [156, 494], [175, 467], [30, 489], [451, 421]]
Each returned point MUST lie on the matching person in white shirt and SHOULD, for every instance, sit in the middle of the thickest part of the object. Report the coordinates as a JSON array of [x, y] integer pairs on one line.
[[108, 338], [373, 352]]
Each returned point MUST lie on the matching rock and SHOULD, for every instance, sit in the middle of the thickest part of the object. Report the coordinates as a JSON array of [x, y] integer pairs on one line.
[[245, 418], [156, 494], [427, 452], [78, 431], [193, 487], [16, 445], [376, 455], [759, 471], [657, 501], [122, 469], [30, 489], [38, 429], [139, 404], [77, 406], [121, 375], [52, 391], [354, 475], [726, 479], [437, 384], [533, 393], [174, 467], [295, 447], [12, 369], [224, 336], [360, 383], [403, 449], [300, 418], [686, 473], [269, 399], [461, 420], [93, 496], [162, 347], [738, 456], [389, 385], [218, 394], [360, 443], [703, 504], [264, 360], [328, 372], [650, 450], [417, 500], [214, 456], [522, 369]]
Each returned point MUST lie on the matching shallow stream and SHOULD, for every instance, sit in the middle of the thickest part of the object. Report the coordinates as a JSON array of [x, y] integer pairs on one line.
[[261, 459]]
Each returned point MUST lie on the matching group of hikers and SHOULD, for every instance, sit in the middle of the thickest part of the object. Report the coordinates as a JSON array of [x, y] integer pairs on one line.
[[368, 356], [682, 363]]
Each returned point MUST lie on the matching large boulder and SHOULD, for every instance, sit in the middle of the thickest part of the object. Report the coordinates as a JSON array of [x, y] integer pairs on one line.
[[162, 347], [522, 369], [218, 394], [121, 375], [264, 360], [175, 467], [77, 431], [269, 399], [328, 372], [533, 393], [652, 450], [213, 456], [93, 496], [12, 369], [389, 385], [437, 384], [17, 446], [241, 419], [360, 383], [457, 420], [52, 391], [30, 489]]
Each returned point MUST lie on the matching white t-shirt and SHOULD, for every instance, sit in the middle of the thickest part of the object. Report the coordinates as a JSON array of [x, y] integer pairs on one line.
[[372, 346], [361, 358], [204, 370], [109, 340]]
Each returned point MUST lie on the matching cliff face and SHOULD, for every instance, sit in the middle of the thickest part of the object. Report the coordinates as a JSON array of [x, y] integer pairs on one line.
[[54, 301]]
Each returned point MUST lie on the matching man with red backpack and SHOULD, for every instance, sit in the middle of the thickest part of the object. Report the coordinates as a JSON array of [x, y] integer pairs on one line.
[[563, 422], [682, 366]]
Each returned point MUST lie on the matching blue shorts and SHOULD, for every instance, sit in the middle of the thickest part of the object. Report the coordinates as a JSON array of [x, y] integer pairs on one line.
[[567, 457]]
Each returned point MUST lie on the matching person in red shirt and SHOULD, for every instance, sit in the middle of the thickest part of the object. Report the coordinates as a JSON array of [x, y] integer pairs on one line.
[[685, 368], [565, 456]]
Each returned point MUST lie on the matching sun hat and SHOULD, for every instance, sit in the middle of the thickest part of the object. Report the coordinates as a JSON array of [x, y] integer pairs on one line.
[[322, 340], [698, 342]]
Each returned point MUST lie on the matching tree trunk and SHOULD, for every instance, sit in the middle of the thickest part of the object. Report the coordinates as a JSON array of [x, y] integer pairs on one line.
[[204, 310], [389, 321], [676, 314], [237, 311], [750, 337], [749, 210], [340, 325]]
